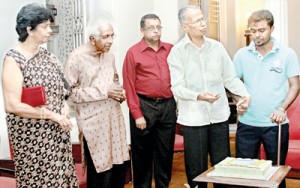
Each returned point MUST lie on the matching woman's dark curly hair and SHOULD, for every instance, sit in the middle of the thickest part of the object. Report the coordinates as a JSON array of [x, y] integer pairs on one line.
[[31, 15]]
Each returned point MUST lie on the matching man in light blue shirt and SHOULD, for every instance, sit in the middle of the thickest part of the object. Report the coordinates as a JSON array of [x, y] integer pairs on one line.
[[270, 73], [200, 71]]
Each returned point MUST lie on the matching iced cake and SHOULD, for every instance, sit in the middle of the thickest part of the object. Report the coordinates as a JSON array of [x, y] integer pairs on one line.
[[243, 168]]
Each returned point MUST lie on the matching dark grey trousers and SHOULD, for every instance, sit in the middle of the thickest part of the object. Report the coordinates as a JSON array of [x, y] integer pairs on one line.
[[199, 141], [153, 147]]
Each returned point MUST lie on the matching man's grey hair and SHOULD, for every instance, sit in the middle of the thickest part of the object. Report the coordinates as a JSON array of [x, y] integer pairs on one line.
[[182, 12], [93, 29]]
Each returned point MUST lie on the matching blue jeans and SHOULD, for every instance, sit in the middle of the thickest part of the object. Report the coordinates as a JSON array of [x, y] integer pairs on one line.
[[249, 138], [200, 141], [154, 146]]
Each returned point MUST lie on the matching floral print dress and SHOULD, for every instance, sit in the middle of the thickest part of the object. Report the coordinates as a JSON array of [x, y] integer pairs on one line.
[[42, 150]]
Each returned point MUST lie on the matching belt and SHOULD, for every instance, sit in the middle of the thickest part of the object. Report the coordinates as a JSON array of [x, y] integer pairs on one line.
[[157, 100]]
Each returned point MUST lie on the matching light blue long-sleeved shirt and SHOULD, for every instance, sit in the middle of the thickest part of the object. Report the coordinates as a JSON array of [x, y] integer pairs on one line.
[[196, 70]]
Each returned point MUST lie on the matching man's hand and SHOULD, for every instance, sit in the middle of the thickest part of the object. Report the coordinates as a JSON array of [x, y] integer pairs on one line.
[[208, 97], [63, 121], [278, 116], [242, 105], [117, 94], [140, 123]]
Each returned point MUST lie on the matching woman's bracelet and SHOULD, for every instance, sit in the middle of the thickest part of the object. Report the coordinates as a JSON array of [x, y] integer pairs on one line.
[[42, 113]]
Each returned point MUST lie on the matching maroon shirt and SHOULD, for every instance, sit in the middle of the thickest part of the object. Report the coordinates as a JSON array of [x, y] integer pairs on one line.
[[146, 72]]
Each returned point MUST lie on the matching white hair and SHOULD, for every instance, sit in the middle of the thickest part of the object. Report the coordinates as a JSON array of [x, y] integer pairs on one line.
[[182, 12], [93, 29]]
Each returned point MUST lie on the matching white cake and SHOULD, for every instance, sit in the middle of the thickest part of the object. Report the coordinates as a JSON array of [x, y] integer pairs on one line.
[[243, 168]]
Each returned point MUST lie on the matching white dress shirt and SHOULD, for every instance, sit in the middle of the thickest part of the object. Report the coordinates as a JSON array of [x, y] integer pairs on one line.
[[196, 70]]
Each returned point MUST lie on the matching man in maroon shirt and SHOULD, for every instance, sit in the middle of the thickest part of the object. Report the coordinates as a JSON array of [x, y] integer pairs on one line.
[[152, 106]]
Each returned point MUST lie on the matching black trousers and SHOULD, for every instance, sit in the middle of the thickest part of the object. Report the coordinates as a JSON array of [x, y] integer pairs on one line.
[[153, 146], [200, 141], [249, 138], [112, 178]]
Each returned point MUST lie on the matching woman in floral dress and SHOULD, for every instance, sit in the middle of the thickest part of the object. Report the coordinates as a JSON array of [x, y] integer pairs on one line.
[[39, 136]]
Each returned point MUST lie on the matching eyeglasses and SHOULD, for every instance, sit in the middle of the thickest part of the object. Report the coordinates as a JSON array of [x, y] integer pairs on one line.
[[152, 28], [199, 21]]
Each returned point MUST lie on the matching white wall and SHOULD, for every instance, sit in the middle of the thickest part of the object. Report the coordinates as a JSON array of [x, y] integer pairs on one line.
[[9, 10], [231, 42], [237, 18], [293, 22]]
